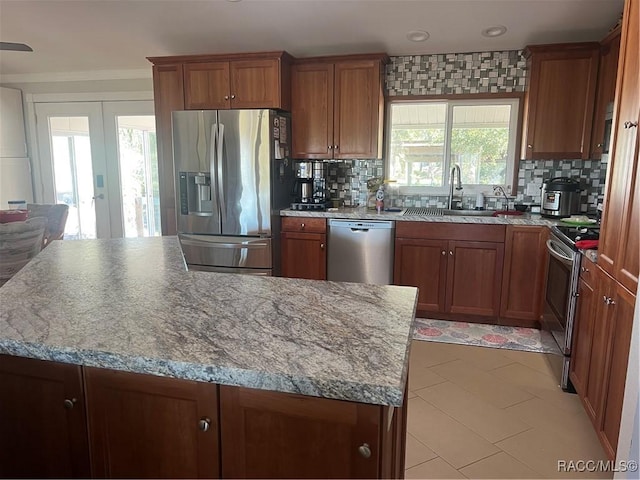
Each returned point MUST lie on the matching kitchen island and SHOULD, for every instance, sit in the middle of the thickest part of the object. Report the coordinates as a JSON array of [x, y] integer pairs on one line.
[[269, 361]]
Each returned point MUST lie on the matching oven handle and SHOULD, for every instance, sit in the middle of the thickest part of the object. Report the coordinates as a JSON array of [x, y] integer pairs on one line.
[[555, 253]]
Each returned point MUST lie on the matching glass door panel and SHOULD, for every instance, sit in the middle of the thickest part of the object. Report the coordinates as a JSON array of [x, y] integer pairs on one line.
[[138, 165], [73, 174]]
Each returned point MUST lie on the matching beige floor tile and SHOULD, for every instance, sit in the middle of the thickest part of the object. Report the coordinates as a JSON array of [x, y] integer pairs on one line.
[[420, 377], [416, 452], [411, 394], [500, 465], [449, 439], [541, 450], [524, 376], [488, 421], [572, 426], [483, 384], [563, 400], [427, 354], [436, 468], [484, 358], [539, 362]]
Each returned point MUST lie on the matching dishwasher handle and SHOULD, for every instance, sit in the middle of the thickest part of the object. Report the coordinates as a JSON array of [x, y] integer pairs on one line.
[[355, 229]]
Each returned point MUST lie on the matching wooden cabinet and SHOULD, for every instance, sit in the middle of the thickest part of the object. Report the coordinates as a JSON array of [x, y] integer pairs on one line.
[[454, 276], [524, 273], [144, 426], [605, 93], [275, 435], [167, 97], [619, 247], [560, 100], [303, 248], [337, 107], [250, 83], [43, 430]]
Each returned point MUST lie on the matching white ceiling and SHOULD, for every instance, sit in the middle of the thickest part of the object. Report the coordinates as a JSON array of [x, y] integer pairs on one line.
[[115, 35]]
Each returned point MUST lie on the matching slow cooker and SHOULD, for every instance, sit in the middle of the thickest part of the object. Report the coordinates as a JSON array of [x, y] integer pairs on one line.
[[560, 197]]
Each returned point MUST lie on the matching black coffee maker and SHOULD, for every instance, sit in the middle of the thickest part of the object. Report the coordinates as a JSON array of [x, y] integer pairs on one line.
[[309, 188]]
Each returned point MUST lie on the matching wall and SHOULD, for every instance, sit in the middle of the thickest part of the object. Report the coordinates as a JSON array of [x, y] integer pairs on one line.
[[463, 73]]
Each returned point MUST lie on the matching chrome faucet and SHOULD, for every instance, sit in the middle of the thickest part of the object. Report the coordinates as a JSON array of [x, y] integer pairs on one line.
[[498, 189], [454, 169]]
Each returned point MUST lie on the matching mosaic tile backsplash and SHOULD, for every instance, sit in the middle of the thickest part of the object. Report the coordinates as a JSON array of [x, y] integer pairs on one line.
[[463, 73]]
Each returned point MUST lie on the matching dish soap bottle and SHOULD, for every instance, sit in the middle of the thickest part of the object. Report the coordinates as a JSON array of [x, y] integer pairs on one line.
[[380, 199]]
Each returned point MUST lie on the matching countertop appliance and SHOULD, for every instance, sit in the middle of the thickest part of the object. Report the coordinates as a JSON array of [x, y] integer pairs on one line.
[[309, 189], [560, 197], [360, 251], [562, 290], [233, 175]]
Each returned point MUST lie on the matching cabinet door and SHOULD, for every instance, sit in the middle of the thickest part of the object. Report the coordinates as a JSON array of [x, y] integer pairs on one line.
[[278, 435], [582, 338], [142, 426], [609, 51], [167, 97], [474, 278], [358, 110], [312, 110], [560, 104], [422, 264], [206, 86], [619, 343], [618, 248], [255, 83], [43, 430], [524, 273], [304, 255]]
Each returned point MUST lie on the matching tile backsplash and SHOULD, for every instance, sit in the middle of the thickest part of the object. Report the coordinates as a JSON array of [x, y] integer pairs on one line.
[[463, 73]]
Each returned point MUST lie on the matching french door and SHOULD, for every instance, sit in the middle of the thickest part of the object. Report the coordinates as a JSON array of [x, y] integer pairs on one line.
[[100, 159]]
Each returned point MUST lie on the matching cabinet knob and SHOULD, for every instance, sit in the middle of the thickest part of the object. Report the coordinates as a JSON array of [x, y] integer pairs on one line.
[[232, 97], [584, 270], [364, 450], [608, 300], [322, 246], [226, 97], [330, 147], [69, 403], [600, 145], [630, 124], [450, 252], [529, 146], [443, 252], [204, 424], [302, 226], [336, 147]]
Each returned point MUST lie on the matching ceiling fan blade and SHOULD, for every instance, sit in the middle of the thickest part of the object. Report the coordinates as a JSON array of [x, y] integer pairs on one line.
[[18, 47]]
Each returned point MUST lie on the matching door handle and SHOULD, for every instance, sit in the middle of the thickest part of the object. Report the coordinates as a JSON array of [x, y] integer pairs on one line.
[[99, 196]]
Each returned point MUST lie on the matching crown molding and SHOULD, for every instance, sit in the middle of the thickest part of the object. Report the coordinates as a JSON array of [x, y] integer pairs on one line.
[[132, 74]]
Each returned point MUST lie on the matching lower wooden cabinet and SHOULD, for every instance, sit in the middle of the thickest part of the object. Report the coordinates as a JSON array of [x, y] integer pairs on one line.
[[275, 435], [454, 276], [143, 426], [43, 429], [601, 343], [304, 248], [523, 277]]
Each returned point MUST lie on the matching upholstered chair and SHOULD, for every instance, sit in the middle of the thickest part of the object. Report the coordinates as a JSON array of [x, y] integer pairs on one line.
[[19, 243], [56, 215]]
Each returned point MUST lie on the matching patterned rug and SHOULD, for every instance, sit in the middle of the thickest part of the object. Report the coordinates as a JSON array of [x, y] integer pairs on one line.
[[482, 335]]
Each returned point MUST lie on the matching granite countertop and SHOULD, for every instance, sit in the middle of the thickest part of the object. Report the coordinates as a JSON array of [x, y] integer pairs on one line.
[[129, 304], [362, 213]]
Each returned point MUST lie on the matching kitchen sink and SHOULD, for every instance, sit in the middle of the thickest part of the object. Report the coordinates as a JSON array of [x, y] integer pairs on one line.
[[439, 212], [469, 213]]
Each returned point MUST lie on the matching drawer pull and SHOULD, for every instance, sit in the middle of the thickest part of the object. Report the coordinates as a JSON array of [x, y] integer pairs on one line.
[[302, 226], [364, 450], [630, 124], [204, 424]]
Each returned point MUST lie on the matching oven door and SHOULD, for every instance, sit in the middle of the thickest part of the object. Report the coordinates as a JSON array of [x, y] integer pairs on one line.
[[560, 294]]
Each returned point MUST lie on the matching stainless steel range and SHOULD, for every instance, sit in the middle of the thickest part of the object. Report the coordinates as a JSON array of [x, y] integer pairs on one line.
[[562, 289]]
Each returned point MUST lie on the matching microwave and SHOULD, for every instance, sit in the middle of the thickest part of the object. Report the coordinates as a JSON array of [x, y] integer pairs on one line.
[[608, 124]]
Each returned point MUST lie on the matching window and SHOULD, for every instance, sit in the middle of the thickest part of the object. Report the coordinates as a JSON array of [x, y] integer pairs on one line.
[[428, 137]]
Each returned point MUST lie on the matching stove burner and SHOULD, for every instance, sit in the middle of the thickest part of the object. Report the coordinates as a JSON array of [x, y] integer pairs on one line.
[[570, 235]]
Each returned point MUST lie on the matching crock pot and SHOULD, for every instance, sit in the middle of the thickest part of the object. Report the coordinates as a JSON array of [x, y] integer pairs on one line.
[[560, 197]]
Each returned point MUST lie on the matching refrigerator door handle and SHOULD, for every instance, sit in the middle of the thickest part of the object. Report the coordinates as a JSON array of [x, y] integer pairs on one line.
[[220, 145], [213, 165]]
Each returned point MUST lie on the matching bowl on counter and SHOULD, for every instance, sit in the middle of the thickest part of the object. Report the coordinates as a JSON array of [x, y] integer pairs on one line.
[[8, 216], [521, 207]]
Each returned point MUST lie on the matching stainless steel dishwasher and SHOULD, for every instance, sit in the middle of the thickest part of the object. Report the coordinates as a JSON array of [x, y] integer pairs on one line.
[[360, 251]]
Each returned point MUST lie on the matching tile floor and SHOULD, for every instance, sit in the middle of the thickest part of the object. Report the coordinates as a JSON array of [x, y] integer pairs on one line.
[[477, 412]]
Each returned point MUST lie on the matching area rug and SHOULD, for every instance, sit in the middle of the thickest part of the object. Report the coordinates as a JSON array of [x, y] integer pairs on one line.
[[482, 335]]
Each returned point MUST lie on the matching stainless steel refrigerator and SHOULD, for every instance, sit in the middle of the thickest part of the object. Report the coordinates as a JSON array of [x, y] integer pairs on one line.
[[233, 176]]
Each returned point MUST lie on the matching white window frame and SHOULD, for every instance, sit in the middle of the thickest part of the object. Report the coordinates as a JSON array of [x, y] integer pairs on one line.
[[468, 189]]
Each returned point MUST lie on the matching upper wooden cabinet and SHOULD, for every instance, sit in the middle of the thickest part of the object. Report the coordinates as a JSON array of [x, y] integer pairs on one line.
[[609, 51], [251, 83], [618, 251], [560, 100], [337, 107]]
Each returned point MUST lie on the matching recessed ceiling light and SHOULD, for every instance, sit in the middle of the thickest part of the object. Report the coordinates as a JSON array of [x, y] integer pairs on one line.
[[494, 31], [417, 35]]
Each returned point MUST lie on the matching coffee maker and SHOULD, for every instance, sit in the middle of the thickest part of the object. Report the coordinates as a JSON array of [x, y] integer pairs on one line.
[[309, 188]]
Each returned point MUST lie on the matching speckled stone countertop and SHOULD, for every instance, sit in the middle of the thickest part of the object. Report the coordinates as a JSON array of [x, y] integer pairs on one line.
[[129, 304], [362, 213]]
